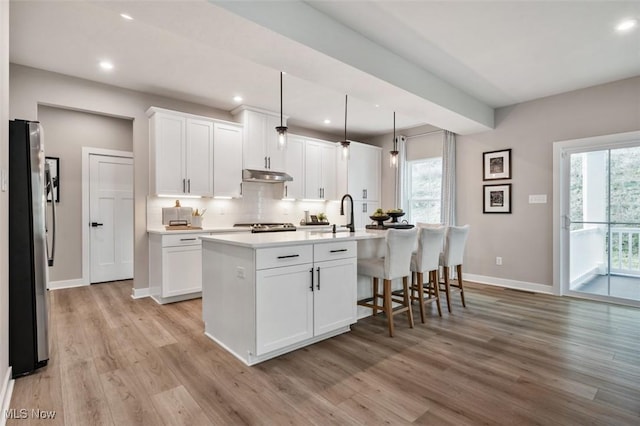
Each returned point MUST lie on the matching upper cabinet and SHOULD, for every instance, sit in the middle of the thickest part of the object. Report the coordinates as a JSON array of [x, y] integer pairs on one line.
[[181, 154], [260, 140], [363, 171], [320, 170], [227, 160], [295, 167], [194, 155]]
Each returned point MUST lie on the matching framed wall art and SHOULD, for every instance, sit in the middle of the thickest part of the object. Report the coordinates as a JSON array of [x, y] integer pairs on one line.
[[54, 169], [496, 165], [497, 198]]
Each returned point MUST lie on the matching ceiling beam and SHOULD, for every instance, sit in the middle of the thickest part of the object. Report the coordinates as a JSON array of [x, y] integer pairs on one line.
[[455, 110]]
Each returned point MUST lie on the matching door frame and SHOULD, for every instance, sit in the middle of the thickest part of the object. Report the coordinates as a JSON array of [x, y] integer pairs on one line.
[[561, 149], [86, 236]]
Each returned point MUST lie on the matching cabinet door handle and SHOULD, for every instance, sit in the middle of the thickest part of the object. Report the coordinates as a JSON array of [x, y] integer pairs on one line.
[[286, 191], [318, 277], [269, 163], [364, 207], [240, 188], [288, 256], [189, 186], [311, 270], [364, 194], [188, 239], [184, 185], [337, 251], [265, 162]]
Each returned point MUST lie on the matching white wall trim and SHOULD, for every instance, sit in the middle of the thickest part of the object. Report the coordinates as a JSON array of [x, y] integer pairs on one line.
[[5, 395], [86, 243], [57, 285], [139, 293], [518, 285]]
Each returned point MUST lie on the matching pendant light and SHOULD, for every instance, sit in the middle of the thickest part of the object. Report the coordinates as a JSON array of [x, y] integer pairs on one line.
[[281, 129], [345, 143], [393, 158]]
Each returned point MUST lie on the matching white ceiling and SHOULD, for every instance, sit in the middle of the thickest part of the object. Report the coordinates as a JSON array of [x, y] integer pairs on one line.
[[445, 63]]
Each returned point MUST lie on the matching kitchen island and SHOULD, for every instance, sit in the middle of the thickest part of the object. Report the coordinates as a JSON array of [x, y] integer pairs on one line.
[[267, 294]]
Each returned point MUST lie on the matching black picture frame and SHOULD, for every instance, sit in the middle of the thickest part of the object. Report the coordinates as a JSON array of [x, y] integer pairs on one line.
[[496, 198], [54, 169], [496, 165]]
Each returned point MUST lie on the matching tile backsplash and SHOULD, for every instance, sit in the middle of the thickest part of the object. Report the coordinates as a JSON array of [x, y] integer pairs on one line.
[[261, 202]]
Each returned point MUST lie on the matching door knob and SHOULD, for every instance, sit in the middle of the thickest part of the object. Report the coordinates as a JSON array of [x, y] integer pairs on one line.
[[96, 224]]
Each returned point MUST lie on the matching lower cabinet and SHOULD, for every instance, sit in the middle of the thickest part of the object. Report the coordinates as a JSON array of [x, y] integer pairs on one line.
[[299, 302], [175, 267]]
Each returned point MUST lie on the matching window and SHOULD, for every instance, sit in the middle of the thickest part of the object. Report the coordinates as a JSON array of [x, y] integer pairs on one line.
[[424, 188]]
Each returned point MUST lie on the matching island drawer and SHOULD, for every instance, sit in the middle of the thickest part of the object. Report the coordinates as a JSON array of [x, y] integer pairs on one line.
[[181, 240], [331, 251], [284, 256]]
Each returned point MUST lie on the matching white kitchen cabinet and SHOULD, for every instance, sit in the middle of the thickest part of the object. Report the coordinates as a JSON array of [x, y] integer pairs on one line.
[[296, 303], [334, 303], [261, 302], [175, 267], [181, 154], [320, 170], [361, 212], [363, 172], [260, 140], [227, 160], [284, 307], [295, 168]]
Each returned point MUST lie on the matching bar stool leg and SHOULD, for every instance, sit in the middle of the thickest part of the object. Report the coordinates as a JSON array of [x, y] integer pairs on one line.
[[436, 289], [420, 295], [459, 270], [407, 301], [447, 288], [388, 309], [375, 295]]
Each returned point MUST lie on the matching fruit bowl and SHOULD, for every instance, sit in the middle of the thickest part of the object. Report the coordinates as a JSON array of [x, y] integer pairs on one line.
[[380, 219], [395, 216]]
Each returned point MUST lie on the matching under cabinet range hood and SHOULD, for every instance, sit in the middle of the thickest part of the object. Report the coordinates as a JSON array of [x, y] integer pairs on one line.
[[268, 176]]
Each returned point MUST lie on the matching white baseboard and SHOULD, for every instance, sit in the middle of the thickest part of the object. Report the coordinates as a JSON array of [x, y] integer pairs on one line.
[[501, 282], [56, 285], [139, 293], [5, 396]]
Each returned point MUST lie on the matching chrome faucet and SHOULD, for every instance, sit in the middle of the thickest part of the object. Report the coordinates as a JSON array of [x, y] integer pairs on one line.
[[350, 225]]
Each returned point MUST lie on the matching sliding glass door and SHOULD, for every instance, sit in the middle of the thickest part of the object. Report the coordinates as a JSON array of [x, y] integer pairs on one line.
[[602, 219]]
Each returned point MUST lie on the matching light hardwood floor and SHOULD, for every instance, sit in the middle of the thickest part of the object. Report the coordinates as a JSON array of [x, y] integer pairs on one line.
[[510, 358]]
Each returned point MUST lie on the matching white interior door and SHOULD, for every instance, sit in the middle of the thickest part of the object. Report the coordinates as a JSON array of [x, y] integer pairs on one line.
[[111, 218]]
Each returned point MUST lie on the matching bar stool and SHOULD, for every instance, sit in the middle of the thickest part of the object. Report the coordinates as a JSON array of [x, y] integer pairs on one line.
[[427, 259], [455, 241], [395, 264]]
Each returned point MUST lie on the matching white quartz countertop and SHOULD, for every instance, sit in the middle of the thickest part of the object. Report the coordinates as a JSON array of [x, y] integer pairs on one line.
[[274, 239], [197, 231]]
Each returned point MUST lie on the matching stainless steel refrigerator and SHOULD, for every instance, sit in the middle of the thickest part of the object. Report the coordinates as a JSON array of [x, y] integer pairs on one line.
[[28, 248]]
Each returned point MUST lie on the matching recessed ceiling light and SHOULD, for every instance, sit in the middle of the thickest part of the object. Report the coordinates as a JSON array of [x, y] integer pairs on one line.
[[237, 98], [106, 65], [327, 121], [627, 25], [126, 16], [377, 105]]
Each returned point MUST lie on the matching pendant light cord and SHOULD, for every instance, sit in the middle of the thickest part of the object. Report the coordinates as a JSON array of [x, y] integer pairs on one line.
[[346, 99], [281, 125]]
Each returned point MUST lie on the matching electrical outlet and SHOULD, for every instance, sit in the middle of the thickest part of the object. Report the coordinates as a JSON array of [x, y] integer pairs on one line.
[[240, 272], [498, 260]]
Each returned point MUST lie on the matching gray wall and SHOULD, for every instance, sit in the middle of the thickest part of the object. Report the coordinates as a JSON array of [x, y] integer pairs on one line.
[[524, 239], [4, 202], [66, 133], [30, 87]]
